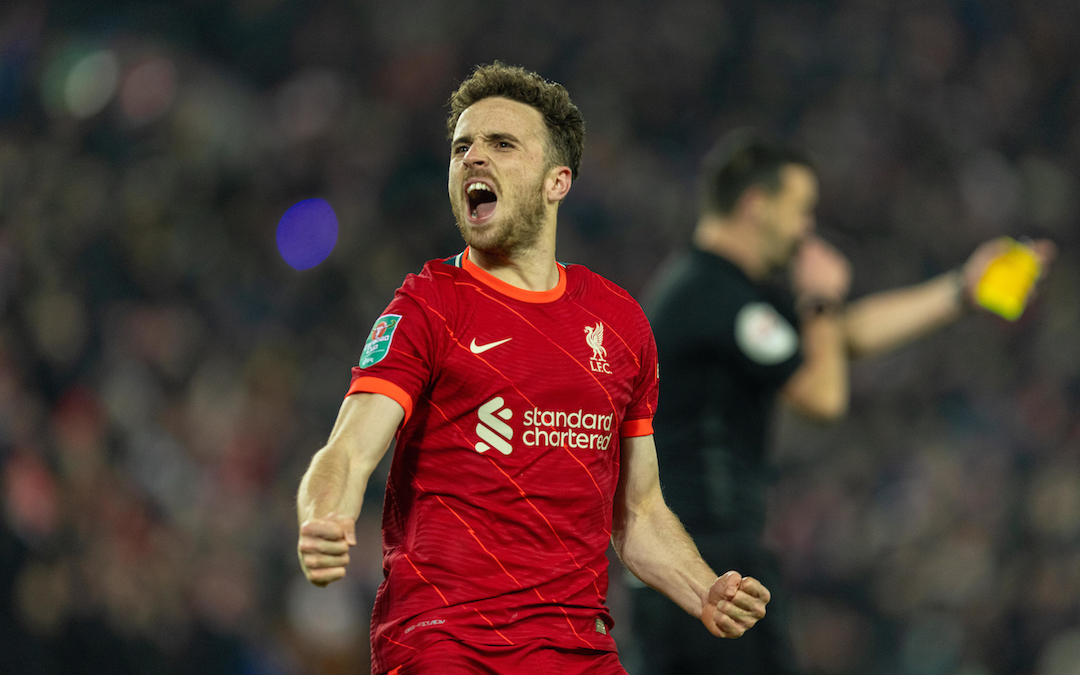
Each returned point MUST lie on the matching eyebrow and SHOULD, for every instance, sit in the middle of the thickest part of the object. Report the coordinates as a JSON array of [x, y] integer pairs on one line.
[[497, 136]]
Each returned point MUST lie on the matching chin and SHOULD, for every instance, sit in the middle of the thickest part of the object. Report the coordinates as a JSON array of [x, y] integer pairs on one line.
[[487, 237]]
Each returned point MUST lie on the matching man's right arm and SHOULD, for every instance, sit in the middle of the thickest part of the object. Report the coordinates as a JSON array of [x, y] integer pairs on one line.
[[332, 490], [821, 277], [820, 389]]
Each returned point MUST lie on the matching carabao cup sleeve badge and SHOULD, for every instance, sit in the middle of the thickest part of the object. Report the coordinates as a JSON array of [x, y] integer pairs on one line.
[[378, 343]]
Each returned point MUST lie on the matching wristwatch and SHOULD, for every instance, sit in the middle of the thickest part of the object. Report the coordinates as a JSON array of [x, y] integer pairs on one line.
[[818, 306]]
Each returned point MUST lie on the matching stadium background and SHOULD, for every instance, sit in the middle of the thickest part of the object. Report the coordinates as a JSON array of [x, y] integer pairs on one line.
[[165, 377]]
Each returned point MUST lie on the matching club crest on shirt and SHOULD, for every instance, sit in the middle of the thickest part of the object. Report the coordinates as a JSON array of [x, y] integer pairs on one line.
[[594, 337], [763, 335], [378, 343]]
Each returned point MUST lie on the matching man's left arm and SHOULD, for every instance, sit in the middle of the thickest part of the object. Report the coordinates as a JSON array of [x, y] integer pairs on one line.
[[889, 319], [656, 548]]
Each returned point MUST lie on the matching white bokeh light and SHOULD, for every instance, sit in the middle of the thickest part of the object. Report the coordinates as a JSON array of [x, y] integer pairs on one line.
[[91, 84]]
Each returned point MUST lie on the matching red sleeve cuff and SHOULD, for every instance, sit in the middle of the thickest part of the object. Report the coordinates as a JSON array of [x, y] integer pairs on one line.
[[377, 385], [641, 427]]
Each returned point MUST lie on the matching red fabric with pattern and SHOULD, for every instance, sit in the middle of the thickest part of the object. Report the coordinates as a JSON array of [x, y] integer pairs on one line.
[[498, 507], [450, 657]]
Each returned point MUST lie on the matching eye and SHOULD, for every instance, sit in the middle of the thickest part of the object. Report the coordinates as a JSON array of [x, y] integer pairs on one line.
[[458, 149]]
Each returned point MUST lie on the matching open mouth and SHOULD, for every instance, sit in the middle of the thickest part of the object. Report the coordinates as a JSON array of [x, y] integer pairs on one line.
[[481, 199]]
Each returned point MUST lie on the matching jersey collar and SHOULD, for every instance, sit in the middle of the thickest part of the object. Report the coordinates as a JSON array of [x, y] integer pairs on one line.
[[462, 260]]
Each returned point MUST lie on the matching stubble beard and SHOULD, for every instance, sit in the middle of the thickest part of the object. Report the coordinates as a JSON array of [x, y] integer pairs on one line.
[[517, 231], [781, 250]]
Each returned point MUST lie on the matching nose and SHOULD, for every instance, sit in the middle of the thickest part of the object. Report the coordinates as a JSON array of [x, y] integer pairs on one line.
[[474, 156]]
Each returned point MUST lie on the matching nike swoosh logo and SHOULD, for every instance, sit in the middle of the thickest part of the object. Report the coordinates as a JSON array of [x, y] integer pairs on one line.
[[480, 349]]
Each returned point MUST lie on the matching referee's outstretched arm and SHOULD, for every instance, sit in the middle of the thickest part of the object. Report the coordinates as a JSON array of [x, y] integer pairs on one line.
[[882, 321], [833, 333]]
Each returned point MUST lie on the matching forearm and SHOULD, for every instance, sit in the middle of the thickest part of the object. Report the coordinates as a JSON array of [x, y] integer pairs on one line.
[[331, 484], [656, 548], [820, 387], [339, 473], [886, 320]]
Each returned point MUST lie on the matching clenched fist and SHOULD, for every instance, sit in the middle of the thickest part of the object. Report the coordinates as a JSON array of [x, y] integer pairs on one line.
[[735, 604], [324, 547]]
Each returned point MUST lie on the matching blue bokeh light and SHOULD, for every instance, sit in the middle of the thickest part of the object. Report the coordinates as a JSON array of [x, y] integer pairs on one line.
[[306, 234]]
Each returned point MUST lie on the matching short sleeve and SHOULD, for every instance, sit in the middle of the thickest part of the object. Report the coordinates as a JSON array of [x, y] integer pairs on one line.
[[716, 315], [400, 353], [760, 341], [639, 413]]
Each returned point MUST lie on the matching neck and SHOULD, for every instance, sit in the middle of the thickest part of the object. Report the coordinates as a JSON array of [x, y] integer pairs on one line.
[[532, 269], [734, 240]]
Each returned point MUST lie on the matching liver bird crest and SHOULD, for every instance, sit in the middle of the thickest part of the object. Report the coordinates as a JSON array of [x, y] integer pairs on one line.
[[594, 337]]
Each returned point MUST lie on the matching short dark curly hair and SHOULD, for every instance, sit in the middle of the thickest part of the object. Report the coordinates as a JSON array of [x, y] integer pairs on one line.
[[742, 159], [565, 125]]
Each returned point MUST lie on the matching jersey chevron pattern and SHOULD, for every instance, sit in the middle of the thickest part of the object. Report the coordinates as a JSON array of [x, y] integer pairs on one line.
[[498, 506]]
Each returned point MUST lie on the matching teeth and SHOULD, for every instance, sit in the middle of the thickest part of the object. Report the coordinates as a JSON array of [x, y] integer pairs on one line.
[[472, 187]]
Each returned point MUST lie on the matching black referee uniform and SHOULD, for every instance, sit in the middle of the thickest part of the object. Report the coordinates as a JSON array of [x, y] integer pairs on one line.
[[726, 345]]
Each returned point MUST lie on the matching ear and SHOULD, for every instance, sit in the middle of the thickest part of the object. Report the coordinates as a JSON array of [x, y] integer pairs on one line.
[[557, 183], [751, 204]]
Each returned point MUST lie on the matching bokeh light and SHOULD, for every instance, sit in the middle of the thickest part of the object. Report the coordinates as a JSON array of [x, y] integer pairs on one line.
[[91, 84], [148, 90], [307, 233]]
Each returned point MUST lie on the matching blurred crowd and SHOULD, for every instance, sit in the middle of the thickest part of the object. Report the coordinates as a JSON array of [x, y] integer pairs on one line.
[[165, 377]]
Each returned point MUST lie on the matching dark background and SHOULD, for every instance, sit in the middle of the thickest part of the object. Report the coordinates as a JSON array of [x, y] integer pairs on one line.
[[165, 377]]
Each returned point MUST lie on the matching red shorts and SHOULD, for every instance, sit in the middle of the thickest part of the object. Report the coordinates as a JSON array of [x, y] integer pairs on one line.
[[450, 657]]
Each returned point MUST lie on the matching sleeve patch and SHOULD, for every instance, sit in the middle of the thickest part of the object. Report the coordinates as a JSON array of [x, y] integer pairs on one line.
[[378, 343], [763, 335]]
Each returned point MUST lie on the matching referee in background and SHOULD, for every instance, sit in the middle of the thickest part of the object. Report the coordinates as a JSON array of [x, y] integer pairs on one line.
[[730, 344]]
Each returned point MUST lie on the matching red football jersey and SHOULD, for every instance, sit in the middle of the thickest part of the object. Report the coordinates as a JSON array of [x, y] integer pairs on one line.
[[498, 506]]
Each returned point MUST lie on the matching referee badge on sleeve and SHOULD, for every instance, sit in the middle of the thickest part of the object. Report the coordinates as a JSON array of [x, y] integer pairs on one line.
[[378, 343], [763, 335]]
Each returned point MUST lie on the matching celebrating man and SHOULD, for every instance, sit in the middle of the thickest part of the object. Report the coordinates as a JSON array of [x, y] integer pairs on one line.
[[521, 391]]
